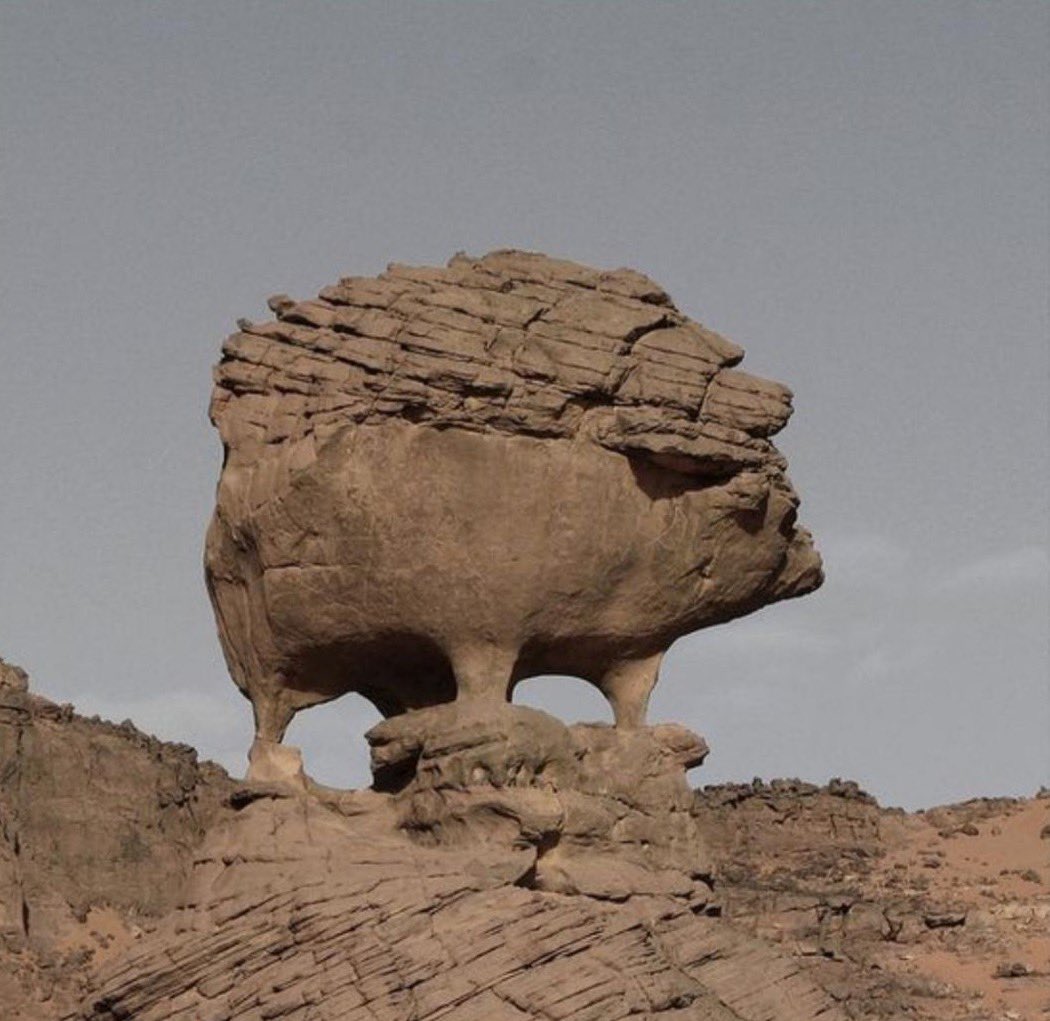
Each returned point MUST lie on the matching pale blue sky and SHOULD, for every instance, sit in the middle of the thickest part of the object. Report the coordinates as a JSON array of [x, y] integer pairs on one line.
[[855, 192]]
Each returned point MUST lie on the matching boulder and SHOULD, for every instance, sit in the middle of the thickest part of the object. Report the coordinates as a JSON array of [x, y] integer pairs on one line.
[[441, 481]]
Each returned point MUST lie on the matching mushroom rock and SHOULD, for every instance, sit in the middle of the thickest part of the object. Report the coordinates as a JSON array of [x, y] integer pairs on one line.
[[440, 481], [437, 483]]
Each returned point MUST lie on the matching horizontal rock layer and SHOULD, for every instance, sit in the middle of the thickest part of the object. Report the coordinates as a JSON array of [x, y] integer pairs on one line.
[[513, 342], [300, 913]]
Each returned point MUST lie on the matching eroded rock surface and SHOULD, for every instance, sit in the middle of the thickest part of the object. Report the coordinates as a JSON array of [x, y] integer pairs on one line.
[[98, 826], [939, 915], [513, 869], [440, 481]]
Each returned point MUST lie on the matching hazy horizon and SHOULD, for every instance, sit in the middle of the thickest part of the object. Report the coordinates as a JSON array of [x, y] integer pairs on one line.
[[855, 193]]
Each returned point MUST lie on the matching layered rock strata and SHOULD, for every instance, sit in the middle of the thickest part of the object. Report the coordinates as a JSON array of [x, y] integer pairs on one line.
[[508, 869], [937, 916], [98, 826], [440, 481]]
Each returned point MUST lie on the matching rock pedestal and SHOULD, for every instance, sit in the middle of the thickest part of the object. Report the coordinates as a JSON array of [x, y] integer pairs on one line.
[[437, 483], [505, 868], [591, 809]]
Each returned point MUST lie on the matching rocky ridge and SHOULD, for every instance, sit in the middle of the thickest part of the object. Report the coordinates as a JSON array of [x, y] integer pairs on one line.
[[934, 915], [98, 826]]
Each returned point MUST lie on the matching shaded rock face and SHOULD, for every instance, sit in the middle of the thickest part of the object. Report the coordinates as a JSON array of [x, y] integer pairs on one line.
[[441, 481], [98, 826]]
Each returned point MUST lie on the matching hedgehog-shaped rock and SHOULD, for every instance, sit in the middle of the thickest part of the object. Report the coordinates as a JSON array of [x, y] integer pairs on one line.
[[441, 481]]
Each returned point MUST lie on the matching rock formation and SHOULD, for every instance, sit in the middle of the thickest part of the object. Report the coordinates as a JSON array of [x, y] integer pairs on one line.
[[98, 826], [437, 483], [441, 481], [504, 868], [938, 915]]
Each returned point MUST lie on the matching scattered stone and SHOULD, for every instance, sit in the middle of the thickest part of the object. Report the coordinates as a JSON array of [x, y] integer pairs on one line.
[[1012, 969], [944, 919]]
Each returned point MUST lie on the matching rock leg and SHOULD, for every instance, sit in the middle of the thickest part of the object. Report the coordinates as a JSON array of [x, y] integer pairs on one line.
[[483, 671], [268, 759], [273, 712], [627, 685]]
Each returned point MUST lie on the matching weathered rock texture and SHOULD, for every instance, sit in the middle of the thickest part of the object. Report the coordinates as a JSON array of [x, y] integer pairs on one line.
[[938, 915], [516, 870], [435, 883], [98, 826], [443, 480]]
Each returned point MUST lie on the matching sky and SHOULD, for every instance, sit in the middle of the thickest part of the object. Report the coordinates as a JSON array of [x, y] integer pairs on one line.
[[854, 192]]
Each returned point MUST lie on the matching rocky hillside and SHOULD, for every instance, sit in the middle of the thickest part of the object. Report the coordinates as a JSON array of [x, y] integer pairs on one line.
[[841, 907], [937, 914], [98, 824]]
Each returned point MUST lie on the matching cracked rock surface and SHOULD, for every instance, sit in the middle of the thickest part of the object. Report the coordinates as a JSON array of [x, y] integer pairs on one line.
[[462, 885], [514, 869], [442, 480]]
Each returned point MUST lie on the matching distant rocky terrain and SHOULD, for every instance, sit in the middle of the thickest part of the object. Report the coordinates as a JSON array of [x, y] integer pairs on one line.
[[850, 908], [98, 826]]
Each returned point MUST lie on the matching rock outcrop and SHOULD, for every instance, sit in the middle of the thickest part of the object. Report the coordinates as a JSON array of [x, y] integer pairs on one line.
[[505, 868], [431, 891], [938, 915], [443, 480], [98, 826]]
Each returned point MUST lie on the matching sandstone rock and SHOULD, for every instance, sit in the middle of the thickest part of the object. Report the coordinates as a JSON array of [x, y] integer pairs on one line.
[[12, 677], [606, 812], [325, 907], [441, 481], [98, 826], [814, 886]]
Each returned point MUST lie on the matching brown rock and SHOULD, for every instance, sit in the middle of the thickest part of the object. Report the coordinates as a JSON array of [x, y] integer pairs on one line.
[[444, 480], [12, 677], [608, 811], [308, 903], [944, 919], [1011, 969], [98, 826], [459, 894]]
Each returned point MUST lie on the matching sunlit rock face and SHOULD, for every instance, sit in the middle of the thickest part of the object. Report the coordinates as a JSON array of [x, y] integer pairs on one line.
[[440, 481]]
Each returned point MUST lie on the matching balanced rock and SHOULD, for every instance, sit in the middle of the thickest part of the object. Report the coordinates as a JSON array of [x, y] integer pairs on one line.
[[441, 481]]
